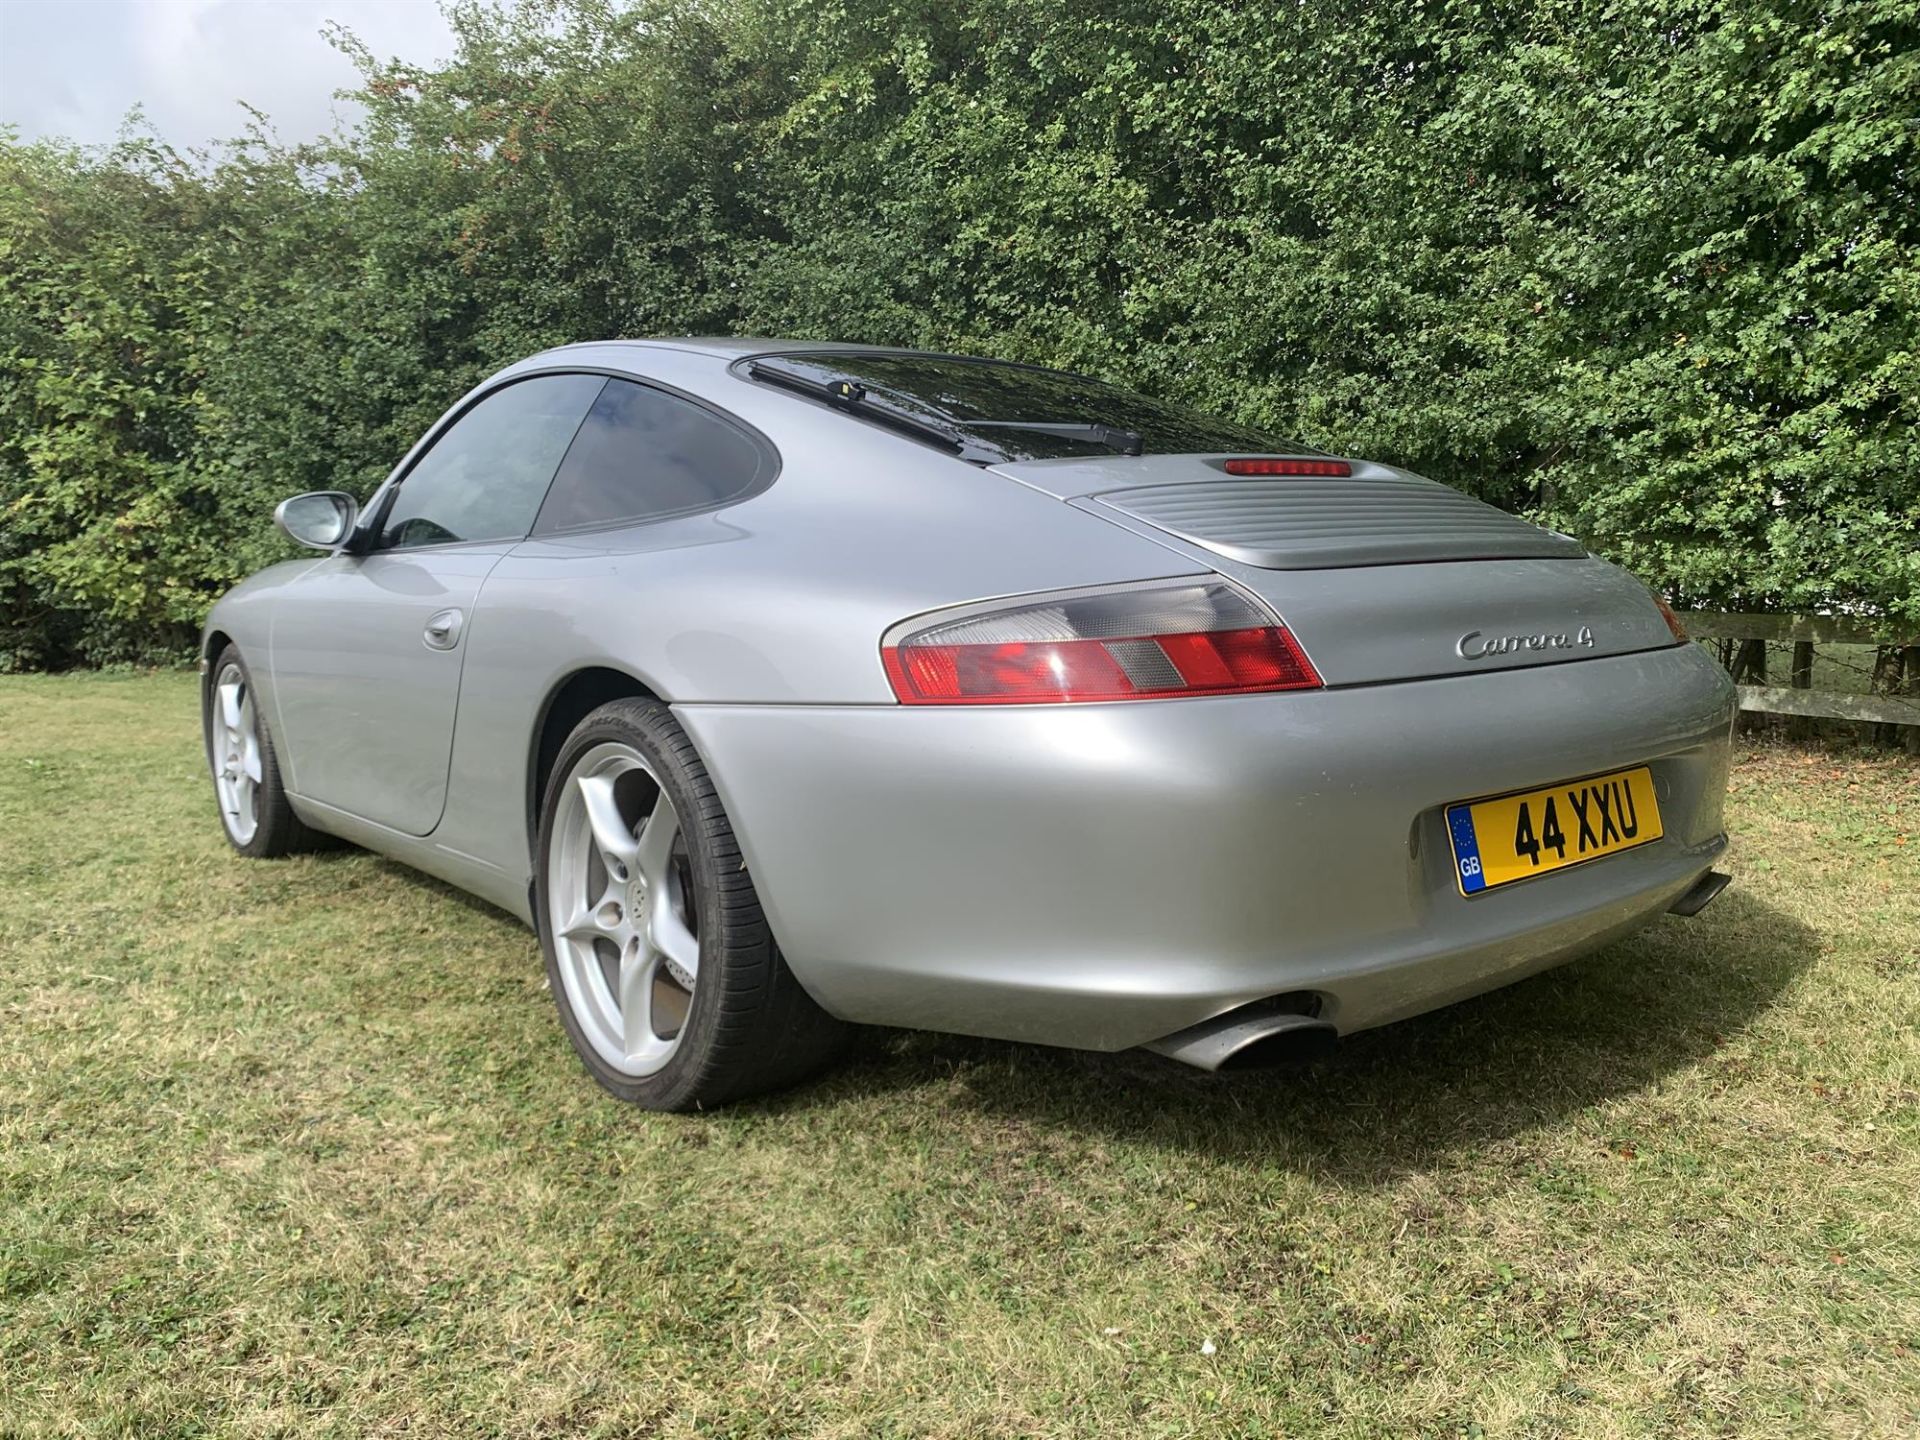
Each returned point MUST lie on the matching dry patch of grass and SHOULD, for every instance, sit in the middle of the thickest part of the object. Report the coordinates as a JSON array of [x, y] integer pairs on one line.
[[298, 1149]]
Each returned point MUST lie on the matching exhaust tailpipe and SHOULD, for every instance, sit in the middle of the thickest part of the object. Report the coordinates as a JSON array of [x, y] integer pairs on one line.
[[1703, 893], [1265, 1033]]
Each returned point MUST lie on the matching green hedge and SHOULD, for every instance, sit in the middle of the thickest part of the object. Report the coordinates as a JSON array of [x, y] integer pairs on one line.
[[1646, 271]]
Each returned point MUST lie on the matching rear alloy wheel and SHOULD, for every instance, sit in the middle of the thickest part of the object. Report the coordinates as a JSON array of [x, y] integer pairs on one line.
[[623, 909], [659, 956], [254, 809]]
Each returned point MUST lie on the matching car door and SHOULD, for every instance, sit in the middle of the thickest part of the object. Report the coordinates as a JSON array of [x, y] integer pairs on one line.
[[367, 648]]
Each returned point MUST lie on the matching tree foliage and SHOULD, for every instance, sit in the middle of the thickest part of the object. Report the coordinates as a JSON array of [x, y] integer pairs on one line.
[[1646, 271]]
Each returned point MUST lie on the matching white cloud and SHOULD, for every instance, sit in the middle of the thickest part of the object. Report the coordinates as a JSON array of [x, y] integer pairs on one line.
[[75, 67]]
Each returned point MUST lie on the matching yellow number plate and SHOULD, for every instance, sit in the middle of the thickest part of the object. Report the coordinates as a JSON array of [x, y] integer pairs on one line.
[[1496, 842]]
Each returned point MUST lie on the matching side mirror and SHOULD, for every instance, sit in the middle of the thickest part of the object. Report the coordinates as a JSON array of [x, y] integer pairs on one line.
[[321, 520]]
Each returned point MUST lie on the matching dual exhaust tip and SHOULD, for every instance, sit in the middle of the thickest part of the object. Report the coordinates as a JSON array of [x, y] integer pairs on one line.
[[1288, 1030]]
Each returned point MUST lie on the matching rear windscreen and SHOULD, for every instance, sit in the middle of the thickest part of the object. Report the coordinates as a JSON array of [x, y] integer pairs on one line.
[[982, 404]]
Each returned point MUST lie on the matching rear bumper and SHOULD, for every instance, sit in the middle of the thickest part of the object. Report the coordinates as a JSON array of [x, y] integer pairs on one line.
[[1101, 876]]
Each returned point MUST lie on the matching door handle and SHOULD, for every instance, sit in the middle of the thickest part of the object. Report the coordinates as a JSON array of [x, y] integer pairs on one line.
[[443, 630]]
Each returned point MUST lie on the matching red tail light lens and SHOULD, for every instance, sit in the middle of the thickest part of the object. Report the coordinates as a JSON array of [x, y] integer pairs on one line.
[[1673, 620], [1265, 466], [1143, 643]]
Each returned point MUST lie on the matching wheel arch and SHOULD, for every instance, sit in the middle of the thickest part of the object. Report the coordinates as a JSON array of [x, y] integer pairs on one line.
[[212, 643], [211, 646], [566, 705]]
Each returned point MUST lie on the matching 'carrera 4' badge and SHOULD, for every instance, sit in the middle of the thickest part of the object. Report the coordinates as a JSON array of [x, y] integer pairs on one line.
[[1478, 645]]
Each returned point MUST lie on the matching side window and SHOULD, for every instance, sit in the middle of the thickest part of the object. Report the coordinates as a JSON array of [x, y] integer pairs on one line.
[[644, 454], [485, 476]]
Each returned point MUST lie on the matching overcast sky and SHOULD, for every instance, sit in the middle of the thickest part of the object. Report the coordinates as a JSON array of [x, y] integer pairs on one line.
[[75, 67]]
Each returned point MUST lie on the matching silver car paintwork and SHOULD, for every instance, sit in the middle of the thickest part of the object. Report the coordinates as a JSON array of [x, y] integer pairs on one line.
[[1102, 875], [1389, 622], [366, 708], [1082, 875]]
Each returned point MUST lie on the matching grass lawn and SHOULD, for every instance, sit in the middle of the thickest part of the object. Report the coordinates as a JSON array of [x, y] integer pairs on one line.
[[298, 1148]]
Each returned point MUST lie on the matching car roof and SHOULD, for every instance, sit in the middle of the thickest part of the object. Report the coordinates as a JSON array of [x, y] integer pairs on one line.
[[732, 347], [693, 361]]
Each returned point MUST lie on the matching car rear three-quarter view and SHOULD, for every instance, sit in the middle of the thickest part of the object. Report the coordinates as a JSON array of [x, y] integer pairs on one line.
[[785, 687]]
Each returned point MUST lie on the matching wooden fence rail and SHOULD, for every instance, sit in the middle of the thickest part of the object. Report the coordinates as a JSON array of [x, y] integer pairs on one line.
[[1812, 629], [1897, 668]]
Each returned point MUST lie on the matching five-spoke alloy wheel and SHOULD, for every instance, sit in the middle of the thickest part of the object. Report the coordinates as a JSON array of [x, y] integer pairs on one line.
[[659, 956], [622, 906], [254, 808], [234, 727]]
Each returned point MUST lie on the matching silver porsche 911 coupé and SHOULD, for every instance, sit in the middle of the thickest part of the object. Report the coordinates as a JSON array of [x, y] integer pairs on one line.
[[784, 687]]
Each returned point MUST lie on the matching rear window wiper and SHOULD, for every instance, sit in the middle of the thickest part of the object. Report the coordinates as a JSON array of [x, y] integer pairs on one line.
[[1119, 441], [852, 397]]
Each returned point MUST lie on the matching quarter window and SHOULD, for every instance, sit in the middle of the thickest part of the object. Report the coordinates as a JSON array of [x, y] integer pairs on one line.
[[643, 454], [484, 478]]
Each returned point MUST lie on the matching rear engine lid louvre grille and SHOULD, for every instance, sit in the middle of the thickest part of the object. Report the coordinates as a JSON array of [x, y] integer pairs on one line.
[[1316, 524]]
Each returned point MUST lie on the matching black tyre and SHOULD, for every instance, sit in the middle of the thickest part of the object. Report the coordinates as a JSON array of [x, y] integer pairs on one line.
[[660, 959], [254, 810]]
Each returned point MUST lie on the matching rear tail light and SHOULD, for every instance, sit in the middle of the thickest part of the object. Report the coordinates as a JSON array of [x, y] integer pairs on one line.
[[1145, 642], [1288, 466], [1673, 620]]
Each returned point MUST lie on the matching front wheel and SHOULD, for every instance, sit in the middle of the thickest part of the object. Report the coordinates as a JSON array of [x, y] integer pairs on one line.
[[254, 809], [658, 954]]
